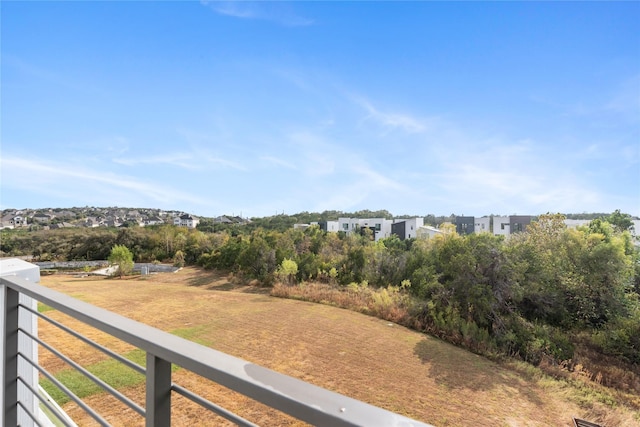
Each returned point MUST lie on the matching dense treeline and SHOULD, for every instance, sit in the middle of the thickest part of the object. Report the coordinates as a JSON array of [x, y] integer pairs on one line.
[[283, 222], [523, 296]]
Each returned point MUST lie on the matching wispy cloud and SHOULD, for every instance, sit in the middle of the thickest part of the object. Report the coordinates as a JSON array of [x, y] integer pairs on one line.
[[359, 185], [278, 12], [71, 180], [189, 161], [279, 162], [514, 178], [318, 154], [392, 120], [179, 160]]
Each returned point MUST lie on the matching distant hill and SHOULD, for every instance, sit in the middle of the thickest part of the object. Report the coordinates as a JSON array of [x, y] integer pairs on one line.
[[115, 216]]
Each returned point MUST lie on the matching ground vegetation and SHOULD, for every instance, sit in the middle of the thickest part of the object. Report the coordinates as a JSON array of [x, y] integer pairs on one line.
[[546, 295]]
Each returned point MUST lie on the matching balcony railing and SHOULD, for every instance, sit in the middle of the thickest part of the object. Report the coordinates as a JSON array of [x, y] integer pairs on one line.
[[304, 401]]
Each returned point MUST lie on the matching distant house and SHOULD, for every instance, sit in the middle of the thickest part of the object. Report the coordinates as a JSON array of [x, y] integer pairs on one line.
[[482, 225], [42, 218], [380, 227], [61, 225], [519, 223], [7, 221], [426, 231], [186, 220], [154, 220], [240, 220], [497, 225], [111, 222], [501, 225], [66, 214], [465, 224], [575, 223], [407, 228], [329, 226], [18, 221], [91, 222], [222, 220]]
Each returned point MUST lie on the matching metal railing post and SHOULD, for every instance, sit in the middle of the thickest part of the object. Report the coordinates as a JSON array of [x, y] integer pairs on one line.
[[11, 301], [158, 411]]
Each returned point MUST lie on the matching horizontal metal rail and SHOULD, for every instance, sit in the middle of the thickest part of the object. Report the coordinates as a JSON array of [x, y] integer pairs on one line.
[[33, 416], [212, 406], [68, 392], [294, 397], [115, 393], [44, 401], [86, 340]]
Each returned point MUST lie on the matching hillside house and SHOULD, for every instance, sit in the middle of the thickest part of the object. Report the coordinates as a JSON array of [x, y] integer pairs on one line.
[[18, 221], [154, 220], [186, 220], [42, 218]]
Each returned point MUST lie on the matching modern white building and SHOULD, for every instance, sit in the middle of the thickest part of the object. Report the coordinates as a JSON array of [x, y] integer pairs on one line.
[[501, 225], [329, 226], [427, 231], [482, 225], [407, 228], [575, 223], [380, 227]]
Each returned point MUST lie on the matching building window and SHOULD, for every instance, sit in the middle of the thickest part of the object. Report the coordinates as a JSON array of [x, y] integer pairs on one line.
[[378, 227], [345, 226]]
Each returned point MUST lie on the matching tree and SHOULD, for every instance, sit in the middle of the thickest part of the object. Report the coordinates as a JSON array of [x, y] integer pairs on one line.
[[178, 259], [288, 270], [123, 258], [621, 221]]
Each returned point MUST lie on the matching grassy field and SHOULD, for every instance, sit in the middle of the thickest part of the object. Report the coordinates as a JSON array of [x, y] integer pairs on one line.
[[350, 353]]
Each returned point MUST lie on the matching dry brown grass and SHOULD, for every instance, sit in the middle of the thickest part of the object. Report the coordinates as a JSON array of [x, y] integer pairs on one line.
[[360, 356]]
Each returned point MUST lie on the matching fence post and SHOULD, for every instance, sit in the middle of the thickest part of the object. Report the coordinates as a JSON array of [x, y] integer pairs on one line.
[[158, 410], [10, 366]]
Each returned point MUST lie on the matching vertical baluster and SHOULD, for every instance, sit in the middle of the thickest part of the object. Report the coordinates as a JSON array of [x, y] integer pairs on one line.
[[158, 411], [10, 357]]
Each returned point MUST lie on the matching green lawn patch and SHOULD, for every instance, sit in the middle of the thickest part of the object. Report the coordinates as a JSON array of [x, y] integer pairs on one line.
[[43, 308], [194, 334], [114, 373]]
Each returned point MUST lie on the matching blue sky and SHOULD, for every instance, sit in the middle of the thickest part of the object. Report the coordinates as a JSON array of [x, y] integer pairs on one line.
[[257, 108]]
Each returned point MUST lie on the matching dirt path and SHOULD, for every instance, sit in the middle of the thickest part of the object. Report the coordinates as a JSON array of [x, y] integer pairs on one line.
[[360, 356]]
